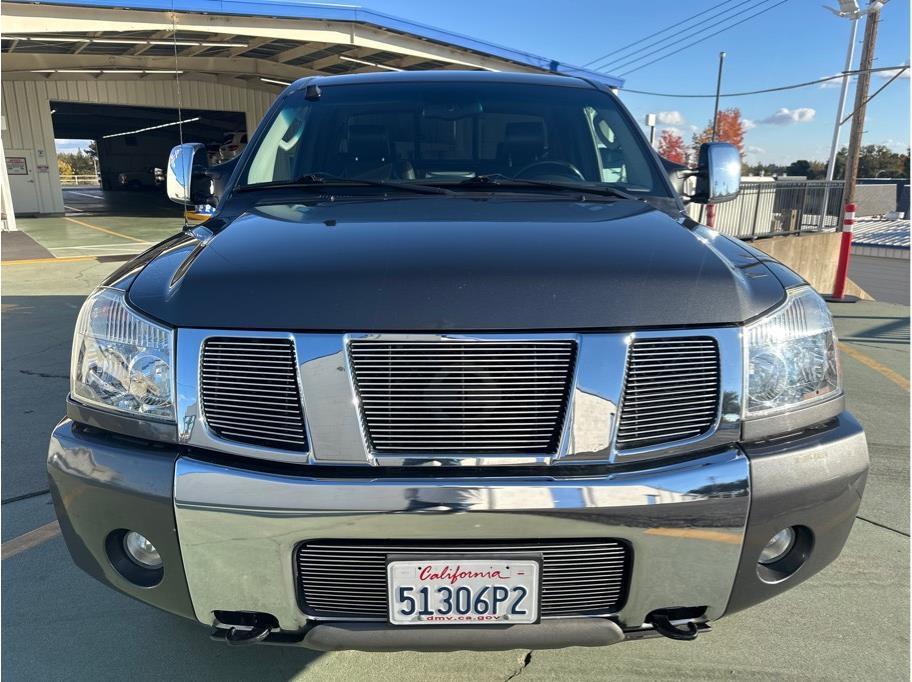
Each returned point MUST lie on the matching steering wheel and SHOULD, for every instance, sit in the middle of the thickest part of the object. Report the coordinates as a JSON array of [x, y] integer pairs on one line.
[[544, 170]]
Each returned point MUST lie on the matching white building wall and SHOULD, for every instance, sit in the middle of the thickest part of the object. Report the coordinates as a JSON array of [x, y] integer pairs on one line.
[[26, 106]]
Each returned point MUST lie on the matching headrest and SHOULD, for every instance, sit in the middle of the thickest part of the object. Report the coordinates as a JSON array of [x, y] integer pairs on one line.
[[369, 142], [527, 135]]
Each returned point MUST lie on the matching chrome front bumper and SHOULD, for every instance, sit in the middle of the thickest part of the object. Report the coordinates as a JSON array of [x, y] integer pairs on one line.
[[684, 522], [226, 532]]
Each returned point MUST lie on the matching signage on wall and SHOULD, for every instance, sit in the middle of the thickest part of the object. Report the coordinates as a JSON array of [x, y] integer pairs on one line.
[[16, 165]]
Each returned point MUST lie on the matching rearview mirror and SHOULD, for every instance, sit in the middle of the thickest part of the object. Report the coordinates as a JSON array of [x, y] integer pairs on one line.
[[187, 181], [718, 173]]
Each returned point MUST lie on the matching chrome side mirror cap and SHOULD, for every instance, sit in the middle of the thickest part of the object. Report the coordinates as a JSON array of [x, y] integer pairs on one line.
[[718, 173], [187, 182]]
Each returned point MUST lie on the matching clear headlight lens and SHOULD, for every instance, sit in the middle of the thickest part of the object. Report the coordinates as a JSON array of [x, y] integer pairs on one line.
[[791, 355], [122, 360]]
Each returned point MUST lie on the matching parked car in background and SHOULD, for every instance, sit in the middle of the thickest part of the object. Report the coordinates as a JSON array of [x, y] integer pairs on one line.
[[426, 380], [233, 145], [144, 179]]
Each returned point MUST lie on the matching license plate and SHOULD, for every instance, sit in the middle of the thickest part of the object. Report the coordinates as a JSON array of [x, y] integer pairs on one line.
[[463, 592]]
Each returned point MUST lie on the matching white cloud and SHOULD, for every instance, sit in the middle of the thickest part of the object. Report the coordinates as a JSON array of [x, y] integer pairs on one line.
[[752, 150], [748, 124], [785, 116], [835, 82], [889, 73], [670, 118], [895, 145]]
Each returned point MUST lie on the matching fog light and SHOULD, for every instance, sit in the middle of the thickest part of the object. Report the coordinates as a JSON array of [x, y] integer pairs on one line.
[[778, 546], [140, 550]]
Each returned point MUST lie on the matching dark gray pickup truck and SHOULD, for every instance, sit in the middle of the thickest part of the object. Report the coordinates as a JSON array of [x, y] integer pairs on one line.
[[450, 368]]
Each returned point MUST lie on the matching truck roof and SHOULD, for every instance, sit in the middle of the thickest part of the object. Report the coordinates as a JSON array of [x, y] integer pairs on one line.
[[446, 76]]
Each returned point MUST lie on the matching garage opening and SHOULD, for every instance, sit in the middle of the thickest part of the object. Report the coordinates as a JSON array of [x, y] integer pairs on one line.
[[132, 145], [112, 161]]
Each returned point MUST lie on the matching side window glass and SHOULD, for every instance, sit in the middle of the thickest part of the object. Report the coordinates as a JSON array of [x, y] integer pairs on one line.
[[612, 165]]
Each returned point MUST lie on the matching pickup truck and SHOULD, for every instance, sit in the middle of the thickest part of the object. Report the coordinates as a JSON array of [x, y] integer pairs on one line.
[[450, 368]]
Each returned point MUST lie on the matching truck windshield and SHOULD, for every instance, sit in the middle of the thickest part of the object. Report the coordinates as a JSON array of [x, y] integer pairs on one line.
[[446, 133]]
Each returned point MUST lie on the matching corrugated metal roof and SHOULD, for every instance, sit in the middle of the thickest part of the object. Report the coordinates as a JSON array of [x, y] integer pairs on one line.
[[348, 13]]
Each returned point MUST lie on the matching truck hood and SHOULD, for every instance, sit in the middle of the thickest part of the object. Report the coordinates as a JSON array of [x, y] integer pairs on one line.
[[436, 264]]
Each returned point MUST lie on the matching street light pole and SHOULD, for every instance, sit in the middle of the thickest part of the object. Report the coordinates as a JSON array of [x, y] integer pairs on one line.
[[840, 109], [651, 124]]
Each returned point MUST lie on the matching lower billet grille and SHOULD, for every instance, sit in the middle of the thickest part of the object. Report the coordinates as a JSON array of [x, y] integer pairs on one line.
[[249, 392], [473, 397], [347, 578], [671, 391]]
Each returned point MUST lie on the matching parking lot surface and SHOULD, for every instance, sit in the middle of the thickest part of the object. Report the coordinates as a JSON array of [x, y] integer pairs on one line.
[[849, 622]]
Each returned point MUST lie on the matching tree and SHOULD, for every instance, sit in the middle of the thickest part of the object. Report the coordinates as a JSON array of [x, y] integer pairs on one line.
[[63, 166], [78, 163], [875, 161], [730, 129], [671, 146]]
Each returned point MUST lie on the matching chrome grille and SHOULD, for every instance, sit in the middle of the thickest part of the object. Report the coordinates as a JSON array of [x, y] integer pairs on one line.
[[348, 578], [463, 397], [671, 391], [249, 391]]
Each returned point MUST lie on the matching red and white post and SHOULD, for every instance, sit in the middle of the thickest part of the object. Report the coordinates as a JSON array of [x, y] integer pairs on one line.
[[845, 249]]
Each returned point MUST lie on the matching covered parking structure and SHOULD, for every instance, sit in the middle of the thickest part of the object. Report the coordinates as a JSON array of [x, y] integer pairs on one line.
[[87, 70]]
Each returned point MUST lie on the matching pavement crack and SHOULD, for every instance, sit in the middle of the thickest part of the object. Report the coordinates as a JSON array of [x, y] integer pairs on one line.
[[43, 375], [880, 525], [526, 661]]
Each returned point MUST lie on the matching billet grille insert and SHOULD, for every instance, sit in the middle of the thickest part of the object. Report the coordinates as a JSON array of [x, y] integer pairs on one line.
[[348, 578], [671, 391], [249, 391], [463, 397]]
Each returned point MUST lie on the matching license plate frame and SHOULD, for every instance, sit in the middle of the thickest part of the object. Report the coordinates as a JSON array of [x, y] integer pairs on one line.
[[474, 562]]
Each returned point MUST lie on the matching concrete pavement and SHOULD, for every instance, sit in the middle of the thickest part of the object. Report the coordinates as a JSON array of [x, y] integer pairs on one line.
[[849, 622]]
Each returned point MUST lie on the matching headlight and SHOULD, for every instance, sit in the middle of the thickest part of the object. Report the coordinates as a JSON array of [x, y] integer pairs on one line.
[[121, 360], [790, 356]]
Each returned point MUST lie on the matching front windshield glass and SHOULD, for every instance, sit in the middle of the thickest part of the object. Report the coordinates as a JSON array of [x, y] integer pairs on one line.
[[445, 133]]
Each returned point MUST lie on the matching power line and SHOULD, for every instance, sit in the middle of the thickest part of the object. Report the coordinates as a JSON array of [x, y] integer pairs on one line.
[[704, 38], [794, 86], [876, 92], [624, 60], [657, 33]]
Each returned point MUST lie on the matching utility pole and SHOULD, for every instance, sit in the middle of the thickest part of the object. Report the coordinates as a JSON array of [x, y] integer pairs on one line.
[[858, 120], [718, 91], [847, 9], [861, 94]]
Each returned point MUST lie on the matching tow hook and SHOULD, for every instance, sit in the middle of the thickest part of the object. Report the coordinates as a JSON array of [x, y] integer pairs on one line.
[[685, 631], [243, 636], [242, 628]]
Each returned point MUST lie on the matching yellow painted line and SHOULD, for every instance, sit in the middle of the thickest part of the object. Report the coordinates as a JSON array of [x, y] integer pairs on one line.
[[696, 534], [33, 538], [31, 261], [881, 369], [104, 229]]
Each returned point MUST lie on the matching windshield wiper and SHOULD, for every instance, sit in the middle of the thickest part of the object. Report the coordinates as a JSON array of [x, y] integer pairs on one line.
[[500, 180], [324, 180]]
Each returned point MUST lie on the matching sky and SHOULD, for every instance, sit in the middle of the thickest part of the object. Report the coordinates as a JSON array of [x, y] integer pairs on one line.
[[793, 42]]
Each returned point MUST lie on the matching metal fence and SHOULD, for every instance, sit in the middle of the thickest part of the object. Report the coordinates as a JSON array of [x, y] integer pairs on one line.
[[768, 209]]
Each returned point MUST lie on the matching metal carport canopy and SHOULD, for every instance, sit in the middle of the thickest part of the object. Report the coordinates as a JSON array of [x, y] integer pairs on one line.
[[236, 40]]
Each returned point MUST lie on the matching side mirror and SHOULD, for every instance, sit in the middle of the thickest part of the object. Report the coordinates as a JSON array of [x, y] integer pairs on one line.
[[187, 181], [718, 173]]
